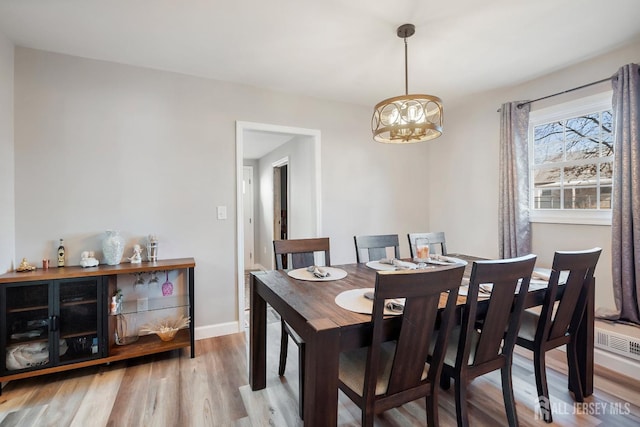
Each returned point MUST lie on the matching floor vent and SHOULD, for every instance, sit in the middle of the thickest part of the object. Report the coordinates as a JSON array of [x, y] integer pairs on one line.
[[617, 343]]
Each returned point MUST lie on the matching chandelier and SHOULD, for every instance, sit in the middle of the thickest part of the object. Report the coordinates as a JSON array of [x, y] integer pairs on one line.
[[408, 118]]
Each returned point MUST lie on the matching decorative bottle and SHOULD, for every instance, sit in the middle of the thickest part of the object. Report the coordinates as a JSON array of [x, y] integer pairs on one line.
[[152, 248], [61, 254], [112, 247]]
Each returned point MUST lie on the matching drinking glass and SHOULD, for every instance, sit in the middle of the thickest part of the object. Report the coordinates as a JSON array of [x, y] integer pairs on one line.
[[422, 249]]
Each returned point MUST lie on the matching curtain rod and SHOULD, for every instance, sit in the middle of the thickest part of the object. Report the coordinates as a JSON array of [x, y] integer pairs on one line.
[[563, 92]]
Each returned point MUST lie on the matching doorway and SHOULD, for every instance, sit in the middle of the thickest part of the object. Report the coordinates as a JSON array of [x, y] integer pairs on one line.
[[280, 202], [304, 143]]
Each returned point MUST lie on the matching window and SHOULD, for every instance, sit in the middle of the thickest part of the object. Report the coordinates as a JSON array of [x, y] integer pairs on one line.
[[571, 162]]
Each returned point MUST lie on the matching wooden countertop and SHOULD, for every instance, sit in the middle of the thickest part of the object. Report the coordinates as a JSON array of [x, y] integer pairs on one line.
[[53, 273]]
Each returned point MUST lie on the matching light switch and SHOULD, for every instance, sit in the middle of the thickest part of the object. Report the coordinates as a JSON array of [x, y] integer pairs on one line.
[[222, 212]]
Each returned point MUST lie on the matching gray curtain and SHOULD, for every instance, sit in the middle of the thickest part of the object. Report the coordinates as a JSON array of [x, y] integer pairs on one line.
[[625, 239], [514, 227]]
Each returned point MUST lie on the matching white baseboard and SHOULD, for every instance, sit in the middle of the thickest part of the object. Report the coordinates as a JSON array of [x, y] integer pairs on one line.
[[210, 331], [623, 365]]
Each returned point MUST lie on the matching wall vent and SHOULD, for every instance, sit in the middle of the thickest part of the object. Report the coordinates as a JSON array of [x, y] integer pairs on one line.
[[618, 343]]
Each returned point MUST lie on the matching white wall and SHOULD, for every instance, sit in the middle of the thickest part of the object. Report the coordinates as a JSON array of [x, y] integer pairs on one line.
[[466, 159], [7, 210], [100, 145], [301, 173]]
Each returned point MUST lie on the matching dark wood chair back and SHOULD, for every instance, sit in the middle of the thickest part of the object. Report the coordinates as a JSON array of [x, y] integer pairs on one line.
[[485, 340], [506, 278], [406, 379], [580, 266], [376, 246], [302, 252], [559, 320], [437, 242]]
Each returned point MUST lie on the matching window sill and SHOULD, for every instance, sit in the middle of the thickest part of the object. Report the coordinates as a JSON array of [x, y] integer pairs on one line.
[[586, 217]]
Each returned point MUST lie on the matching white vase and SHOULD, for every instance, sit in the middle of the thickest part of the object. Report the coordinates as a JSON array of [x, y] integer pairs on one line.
[[112, 247]]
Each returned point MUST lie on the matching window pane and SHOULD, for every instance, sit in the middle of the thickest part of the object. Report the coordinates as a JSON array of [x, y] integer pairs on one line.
[[581, 175], [583, 137], [548, 199], [582, 198], [547, 189], [605, 197], [606, 179], [606, 173], [548, 142], [607, 135]]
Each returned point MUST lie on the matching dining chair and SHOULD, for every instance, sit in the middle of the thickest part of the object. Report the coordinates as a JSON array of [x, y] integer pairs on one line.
[[376, 246], [437, 242], [557, 323], [388, 374], [486, 336], [302, 252]]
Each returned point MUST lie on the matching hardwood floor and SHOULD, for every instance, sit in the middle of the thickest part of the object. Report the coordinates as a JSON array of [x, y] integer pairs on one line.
[[212, 390]]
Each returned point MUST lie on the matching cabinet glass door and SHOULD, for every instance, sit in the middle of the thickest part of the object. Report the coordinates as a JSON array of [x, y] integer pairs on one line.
[[79, 320], [26, 327]]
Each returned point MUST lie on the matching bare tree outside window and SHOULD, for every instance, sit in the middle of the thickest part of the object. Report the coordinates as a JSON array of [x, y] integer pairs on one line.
[[573, 162]]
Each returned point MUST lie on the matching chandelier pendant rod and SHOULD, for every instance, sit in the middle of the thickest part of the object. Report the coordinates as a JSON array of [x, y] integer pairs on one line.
[[406, 68]]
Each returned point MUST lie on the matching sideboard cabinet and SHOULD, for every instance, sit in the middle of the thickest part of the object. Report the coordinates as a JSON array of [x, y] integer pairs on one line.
[[58, 319]]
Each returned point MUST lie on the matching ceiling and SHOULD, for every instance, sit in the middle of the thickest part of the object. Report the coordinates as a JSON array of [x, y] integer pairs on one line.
[[344, 50], [257, 144]]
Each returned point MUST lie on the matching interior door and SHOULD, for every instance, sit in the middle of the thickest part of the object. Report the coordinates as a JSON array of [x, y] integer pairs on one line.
[[276, 203], [280, 203]]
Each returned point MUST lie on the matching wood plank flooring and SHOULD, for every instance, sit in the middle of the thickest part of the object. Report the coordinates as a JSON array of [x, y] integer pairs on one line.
[[212, 390]]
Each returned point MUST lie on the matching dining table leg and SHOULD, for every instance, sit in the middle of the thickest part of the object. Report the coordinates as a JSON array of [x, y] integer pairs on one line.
[[257, 338], [322, 359]]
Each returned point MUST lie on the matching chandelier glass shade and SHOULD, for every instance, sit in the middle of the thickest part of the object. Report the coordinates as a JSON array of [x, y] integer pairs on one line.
[[408, 118]]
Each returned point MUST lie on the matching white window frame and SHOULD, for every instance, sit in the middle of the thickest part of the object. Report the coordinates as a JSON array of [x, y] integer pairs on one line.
[[575, 108]]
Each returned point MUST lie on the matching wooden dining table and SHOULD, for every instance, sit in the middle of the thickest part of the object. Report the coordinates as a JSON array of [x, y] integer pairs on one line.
[[309, 307]]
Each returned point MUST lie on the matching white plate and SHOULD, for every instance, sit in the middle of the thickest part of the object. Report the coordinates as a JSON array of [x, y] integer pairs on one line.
[[464, 290], [304, 274], [446, 260], [377, 265], [534, 285], [354, 300]]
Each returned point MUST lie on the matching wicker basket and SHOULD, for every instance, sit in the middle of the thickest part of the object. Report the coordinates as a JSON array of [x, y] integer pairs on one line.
[[167, 334], [168, 328]]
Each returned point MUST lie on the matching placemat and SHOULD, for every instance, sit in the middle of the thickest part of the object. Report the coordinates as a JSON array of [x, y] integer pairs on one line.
[[304, 274]]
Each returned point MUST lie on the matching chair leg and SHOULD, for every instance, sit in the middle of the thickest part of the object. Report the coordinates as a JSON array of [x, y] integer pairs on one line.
[[541, 384], [367, 418], [461, 403], [284, 344], [432, 408], [574, 375], [507, 394], [301, 356]]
